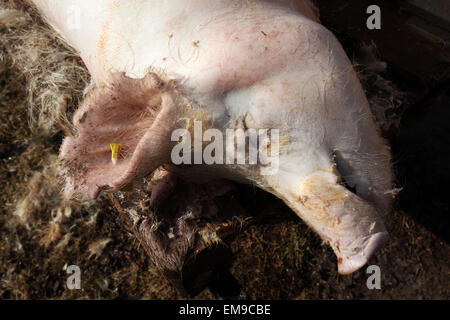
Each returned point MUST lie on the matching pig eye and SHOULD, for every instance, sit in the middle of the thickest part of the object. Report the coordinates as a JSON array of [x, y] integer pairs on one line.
[[343, 172], [346, 184]]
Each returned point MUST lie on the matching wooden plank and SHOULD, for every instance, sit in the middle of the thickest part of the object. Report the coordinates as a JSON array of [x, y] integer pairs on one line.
[[406, 41], [434, 11]]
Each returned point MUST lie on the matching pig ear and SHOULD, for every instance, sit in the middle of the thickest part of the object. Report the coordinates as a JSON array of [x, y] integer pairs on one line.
[[136, 114]]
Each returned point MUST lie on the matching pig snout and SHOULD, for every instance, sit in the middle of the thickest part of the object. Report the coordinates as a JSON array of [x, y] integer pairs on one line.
[[258, 65]]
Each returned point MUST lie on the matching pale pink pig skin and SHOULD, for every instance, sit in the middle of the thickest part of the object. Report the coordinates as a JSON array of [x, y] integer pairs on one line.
[[267, 64]]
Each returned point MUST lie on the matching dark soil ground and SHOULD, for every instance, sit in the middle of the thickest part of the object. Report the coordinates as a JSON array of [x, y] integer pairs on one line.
[[277, 257]]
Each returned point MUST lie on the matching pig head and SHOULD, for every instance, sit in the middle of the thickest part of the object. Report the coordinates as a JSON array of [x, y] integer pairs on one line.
[[160, 66]]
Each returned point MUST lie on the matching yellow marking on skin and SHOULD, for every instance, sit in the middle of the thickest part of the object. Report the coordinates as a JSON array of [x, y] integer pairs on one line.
[[115, 152], [102, 39]]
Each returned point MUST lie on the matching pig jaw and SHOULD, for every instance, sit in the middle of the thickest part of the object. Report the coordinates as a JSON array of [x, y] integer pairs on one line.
[[351, 225]]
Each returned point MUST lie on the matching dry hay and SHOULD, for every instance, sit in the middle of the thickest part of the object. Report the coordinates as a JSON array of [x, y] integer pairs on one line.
[[55, 75], [42, 80], [54, 79]]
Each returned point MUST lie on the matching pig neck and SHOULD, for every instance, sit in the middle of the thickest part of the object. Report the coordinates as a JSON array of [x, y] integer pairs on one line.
[[179, 35], [185, 39], [109, 37]]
